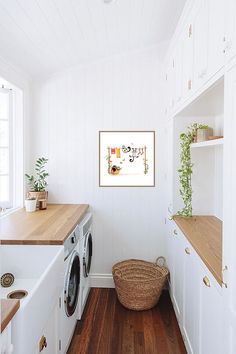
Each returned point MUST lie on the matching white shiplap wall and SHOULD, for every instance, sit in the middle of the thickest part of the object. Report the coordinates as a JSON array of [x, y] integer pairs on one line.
[[69, 109]]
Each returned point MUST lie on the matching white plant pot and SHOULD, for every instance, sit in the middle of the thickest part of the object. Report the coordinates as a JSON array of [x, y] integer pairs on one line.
[[30, 205]]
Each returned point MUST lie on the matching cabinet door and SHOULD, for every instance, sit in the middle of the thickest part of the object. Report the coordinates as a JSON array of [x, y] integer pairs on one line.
[[229, 226], [50, 333], [5, 341], [231, 29], [187, 45], [211, 317], [178, 71], [177, 289], [170, 253], [201, 43], [217, 40], [191, 298], [170, 85]]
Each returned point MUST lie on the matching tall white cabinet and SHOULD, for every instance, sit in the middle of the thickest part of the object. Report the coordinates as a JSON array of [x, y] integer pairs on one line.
[[201, 87]]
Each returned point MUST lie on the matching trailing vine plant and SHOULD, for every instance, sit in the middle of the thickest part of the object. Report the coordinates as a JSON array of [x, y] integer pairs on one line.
[[186, 168]]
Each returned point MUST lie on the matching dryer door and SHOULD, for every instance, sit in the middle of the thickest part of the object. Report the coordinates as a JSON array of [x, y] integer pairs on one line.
[[88, 252], [72, 284]]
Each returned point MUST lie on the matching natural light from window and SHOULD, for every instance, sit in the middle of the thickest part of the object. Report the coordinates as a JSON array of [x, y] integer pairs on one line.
[[11, 146], [5, 149]]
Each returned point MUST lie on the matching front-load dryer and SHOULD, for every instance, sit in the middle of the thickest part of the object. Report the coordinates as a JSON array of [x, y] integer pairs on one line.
[[85, 250], [69, 303]]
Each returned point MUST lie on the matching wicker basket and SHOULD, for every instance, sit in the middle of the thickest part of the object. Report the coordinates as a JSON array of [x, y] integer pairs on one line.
[[138, 283]]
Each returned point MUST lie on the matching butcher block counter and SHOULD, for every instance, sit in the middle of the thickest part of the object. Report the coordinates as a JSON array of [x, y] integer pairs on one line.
[[43, 227], [205, 235], [8, 310]]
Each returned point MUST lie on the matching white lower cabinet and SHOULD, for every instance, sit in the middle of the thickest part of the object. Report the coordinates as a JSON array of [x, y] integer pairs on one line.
[[191, 299], [211, 316], [6, 346], [196, 296], [48, 341], [178, 284]]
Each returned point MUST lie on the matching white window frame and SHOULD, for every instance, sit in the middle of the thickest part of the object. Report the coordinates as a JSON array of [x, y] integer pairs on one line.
[[9, 203], [16, 148]]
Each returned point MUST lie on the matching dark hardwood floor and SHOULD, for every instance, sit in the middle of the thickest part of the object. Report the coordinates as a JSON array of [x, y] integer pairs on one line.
[[108, 328]]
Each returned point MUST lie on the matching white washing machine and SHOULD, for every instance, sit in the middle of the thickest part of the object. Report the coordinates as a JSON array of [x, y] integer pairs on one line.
[[69, 303], [85, 250]]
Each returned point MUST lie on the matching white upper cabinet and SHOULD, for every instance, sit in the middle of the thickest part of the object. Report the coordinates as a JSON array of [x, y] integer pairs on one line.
[[205, 40], [187, 58], [178, 73], [217, 36], [170, 77], [201, 40], [231, 29]]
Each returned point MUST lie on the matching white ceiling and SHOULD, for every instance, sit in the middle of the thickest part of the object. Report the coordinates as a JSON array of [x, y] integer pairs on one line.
[[44, 36]]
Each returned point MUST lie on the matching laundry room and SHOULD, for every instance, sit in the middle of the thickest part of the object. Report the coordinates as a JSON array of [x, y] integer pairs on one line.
[[117, 176]]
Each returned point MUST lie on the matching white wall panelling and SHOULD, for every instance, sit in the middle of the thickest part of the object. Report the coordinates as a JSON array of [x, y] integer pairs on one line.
[[122, 93]]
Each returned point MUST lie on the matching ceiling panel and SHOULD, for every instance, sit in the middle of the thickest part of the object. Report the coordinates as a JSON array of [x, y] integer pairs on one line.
[[44, 36]]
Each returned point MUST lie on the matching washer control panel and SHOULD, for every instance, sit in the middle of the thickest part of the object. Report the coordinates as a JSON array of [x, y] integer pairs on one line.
[[70, 243]]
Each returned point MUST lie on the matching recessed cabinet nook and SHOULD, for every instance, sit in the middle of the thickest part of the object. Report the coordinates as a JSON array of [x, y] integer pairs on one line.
[[201, 88]]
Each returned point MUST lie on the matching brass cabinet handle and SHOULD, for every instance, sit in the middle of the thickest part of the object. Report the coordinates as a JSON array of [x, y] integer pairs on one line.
[[187, 250], [42, 343], [189, 85], [175, 232], [190, 31], [206, 281]]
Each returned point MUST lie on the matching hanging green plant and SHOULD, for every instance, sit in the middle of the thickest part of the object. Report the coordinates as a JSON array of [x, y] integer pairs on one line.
[[186, 168]]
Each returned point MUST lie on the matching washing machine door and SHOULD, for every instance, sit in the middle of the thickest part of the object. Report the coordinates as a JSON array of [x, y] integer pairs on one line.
[[72, 284], [88, 252]]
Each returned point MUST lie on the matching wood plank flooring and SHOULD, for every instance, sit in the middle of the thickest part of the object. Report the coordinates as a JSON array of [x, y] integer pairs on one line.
[[108, 328]]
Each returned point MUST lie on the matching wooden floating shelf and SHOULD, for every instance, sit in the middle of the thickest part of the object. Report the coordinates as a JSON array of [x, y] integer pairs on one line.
[[207, 143]]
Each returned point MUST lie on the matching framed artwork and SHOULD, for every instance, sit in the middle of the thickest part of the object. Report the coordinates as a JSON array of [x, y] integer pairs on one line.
[[126, 158]]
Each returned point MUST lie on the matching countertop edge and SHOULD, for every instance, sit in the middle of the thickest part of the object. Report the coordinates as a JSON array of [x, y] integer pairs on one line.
[[8, 314], [47, 242]]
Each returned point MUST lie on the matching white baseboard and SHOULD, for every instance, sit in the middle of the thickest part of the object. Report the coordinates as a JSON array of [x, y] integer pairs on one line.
[[98, 280]]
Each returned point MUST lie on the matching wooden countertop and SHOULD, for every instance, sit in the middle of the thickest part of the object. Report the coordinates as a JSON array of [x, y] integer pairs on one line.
[[205, 235], [8, 310], [43, 227]]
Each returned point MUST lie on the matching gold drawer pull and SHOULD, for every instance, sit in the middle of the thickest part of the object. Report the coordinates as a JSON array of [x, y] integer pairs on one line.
[[187, 250], [42, 343], [189, 84], [206, 281], [175, 232]]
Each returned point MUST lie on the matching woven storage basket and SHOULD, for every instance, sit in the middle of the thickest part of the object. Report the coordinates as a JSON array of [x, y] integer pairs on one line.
[[139, 283]]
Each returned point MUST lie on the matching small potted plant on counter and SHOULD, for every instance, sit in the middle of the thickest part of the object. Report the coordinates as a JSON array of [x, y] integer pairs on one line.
[[37, 184], [30, 204]]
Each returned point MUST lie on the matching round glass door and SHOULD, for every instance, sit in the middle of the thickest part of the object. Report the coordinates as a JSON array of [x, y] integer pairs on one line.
[[88, 250], [72, 285]]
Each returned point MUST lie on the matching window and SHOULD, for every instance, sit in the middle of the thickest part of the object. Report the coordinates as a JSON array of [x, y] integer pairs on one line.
[[11, 146], [6, 148]]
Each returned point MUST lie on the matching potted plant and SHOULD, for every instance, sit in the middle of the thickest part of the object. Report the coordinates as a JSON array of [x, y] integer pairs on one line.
[[30, 204], [203, 133], [37, 184]]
